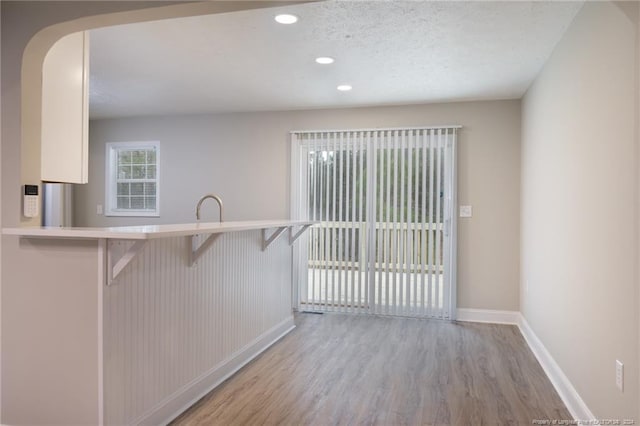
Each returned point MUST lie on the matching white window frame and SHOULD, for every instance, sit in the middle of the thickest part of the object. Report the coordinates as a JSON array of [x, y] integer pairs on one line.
[[111, 202]]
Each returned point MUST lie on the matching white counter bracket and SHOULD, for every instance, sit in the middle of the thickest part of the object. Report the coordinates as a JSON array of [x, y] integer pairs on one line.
[[195, 252], [266, 242], [293, 237], [115, 267]]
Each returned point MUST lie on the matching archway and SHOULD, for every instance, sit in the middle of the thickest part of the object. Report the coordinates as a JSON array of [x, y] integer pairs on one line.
[[38, 46]]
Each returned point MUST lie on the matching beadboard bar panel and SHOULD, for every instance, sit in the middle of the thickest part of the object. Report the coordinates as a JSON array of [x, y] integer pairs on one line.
[[169, 326], [182, 400]]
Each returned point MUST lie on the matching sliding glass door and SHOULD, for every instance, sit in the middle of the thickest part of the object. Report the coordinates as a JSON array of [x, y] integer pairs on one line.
[[385, 238]]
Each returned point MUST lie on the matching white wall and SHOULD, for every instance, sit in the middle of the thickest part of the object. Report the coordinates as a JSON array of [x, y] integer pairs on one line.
[[579, 279], [245, 159]]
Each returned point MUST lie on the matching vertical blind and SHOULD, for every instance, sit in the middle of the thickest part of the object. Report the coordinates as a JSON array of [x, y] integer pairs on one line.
[[385, 238]]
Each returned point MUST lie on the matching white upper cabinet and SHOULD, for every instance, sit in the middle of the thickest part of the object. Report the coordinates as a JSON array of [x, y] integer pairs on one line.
[[65, 112]]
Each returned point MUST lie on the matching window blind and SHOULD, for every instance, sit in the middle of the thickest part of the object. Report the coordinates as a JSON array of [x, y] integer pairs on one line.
[[384, 200]]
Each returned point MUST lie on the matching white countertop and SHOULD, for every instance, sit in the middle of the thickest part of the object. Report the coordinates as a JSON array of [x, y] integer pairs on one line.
[[148, 232]]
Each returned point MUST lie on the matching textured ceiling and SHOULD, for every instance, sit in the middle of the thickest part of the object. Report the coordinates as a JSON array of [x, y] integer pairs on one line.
[[391, 52]]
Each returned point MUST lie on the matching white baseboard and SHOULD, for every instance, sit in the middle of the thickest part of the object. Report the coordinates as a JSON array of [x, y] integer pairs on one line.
[[560, 381], [185, 397], [489, 316]]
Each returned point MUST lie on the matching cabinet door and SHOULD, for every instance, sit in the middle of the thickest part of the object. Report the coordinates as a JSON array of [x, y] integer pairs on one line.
[[65, 119]]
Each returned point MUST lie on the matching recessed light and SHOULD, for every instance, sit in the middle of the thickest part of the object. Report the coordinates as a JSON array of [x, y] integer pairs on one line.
[[344, 87], [286, 19], [325, 60]]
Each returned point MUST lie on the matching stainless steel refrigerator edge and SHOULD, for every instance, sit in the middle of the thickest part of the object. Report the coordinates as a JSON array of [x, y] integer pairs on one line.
[[57, 204]]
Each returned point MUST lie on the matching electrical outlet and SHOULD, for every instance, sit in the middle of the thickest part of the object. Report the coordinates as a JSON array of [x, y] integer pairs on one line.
[[466, 211], [99, 209], [620, 375]]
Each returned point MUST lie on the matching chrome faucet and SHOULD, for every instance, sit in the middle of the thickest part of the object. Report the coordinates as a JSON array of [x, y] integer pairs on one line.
[[215, 197]]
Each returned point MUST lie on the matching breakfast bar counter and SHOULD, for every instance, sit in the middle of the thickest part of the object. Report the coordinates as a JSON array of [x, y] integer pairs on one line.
[[166, 313], [147, 232]]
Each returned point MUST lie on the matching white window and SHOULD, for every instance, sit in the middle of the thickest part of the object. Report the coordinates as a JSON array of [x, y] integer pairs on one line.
[[132, 179]]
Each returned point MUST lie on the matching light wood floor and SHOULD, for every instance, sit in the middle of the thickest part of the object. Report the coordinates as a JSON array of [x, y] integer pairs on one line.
[[367, 370]]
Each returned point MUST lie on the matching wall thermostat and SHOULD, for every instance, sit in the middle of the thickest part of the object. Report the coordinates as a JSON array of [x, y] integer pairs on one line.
[[30, 201]]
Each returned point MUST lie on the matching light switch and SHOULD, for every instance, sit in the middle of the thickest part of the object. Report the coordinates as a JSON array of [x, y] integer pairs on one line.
[[466, 211]]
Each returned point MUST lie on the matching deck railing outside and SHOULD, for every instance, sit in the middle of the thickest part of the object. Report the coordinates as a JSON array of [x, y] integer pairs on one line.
[[398, 247], [337, 254]]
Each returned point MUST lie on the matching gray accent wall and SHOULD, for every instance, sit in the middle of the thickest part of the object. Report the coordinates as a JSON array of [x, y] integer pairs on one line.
[[579, 279], [245, 158]]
